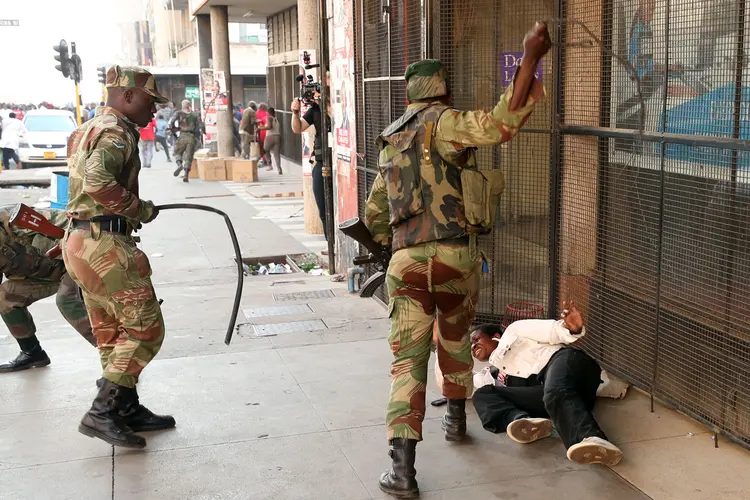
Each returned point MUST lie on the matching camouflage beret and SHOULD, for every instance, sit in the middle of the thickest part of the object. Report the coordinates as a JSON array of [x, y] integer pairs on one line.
[[132, 77], [425, 79]]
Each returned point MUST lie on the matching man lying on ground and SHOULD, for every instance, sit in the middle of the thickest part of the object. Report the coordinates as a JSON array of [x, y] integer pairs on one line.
[[547, 383]]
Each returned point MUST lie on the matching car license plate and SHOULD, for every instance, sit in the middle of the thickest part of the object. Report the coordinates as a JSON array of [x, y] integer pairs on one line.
[[50, 155]]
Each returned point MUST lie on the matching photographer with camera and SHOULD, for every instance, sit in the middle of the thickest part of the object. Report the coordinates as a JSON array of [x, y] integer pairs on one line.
[[299, 125]]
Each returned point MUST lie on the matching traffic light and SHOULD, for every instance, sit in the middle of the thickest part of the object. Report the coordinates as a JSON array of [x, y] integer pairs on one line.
[[62, 58], [75, 64], [102, 72]]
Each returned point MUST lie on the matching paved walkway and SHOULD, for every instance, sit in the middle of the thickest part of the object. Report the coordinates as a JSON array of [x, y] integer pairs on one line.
[[293, 408]]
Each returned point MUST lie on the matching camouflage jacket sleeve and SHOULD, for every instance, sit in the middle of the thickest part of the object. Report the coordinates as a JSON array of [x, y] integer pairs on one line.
[[376, 212], [102, 170], [457, 130]]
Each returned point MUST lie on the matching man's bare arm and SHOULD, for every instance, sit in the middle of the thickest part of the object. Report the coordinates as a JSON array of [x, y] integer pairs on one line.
[[536, 44]]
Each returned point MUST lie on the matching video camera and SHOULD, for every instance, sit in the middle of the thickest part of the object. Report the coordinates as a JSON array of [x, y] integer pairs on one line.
[[308, 87]]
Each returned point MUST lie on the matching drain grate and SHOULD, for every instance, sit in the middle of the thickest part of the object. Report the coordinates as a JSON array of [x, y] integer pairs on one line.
[[314, 294], [291, 327], [262, 312]]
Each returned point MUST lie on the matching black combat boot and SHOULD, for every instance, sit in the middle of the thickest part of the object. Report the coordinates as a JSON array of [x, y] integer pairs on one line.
[[454, 420], [178, 170], [103, 420], [140, 419], [31, 356], [185, 178], [401, 481]]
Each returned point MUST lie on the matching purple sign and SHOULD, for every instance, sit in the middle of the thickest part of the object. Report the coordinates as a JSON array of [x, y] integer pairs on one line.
[[509, 62]]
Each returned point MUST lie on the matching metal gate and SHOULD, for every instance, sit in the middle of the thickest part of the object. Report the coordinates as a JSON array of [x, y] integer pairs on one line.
[[629, 188]]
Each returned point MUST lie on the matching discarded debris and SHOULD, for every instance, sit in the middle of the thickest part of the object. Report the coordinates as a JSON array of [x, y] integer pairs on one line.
[[157, 255]]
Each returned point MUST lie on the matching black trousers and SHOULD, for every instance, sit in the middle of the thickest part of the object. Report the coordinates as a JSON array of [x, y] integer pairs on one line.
[[319, 192], [163, 142], [564, 391], [9, 153]]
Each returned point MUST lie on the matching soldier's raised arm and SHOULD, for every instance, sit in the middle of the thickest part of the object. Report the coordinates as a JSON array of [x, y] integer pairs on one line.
[[464, 129]]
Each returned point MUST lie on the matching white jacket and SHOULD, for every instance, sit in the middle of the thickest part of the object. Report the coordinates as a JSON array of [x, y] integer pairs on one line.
[[13, 130], [527, 346]]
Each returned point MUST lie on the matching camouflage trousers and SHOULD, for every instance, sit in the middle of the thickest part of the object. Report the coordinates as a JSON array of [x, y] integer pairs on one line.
[[17, 295], [115, 277], [436, 279], [184, 149]]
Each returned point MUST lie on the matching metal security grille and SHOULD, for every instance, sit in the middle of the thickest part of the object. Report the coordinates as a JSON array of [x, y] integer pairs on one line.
[[389, 38], [629, 188], [480, 42], [655, 197]]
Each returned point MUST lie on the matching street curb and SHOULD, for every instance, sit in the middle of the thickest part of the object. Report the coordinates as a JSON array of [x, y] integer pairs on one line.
[[290, 194]]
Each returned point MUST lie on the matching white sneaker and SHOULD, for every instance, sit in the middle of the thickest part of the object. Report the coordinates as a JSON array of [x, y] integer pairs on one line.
[[528, 430], [595, 450]]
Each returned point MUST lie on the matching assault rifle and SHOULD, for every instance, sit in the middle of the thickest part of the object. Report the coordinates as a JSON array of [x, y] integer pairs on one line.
[[27, 218], [379, 255]]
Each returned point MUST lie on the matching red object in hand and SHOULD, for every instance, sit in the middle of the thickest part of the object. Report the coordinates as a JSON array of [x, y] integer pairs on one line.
[[28, 218]]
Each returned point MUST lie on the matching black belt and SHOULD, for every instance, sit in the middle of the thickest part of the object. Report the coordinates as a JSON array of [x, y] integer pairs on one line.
[[109, 224]]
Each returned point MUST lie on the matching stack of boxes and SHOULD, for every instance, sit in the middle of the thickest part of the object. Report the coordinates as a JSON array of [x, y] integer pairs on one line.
[[221, 169]]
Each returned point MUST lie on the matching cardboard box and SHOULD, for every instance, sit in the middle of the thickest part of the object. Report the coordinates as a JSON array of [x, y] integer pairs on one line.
[[193, 170], [242, 170], [212, 170]]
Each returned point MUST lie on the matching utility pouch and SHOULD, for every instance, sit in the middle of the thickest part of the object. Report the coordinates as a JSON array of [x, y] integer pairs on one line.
[[481, 191]]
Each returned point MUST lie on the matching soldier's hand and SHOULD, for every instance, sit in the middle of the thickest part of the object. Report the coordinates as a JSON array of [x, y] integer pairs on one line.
[[537, 42], [151, 210]]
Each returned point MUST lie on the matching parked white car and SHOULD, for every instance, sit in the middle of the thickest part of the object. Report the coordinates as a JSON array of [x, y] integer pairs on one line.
[[46, 142]]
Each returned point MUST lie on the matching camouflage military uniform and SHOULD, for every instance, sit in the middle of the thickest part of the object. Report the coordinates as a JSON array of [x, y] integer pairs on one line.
[[32, 276], [112, 272], [417, 202], [191, 126]]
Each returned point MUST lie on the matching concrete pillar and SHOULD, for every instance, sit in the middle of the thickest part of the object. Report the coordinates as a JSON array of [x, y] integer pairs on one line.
[[204, 40], [579, 186], [309, 38], [220, 49]]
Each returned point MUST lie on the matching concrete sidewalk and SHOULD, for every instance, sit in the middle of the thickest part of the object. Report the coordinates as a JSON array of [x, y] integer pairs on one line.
[[294, 407]]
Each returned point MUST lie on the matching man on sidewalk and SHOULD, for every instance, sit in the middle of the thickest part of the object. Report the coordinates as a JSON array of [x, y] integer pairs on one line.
[[10, 138], [190, 126], [148, 143], [435, 268], [32, 276], [546, 384], [101, 255], [247, 128]]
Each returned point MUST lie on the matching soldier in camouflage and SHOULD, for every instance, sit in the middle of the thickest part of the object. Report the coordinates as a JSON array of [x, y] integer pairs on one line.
[[422, 203], [191, 127], [32, 276], [101, 255]]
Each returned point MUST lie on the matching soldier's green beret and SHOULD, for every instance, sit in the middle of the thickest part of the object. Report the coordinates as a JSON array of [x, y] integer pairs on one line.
[[425, 79]]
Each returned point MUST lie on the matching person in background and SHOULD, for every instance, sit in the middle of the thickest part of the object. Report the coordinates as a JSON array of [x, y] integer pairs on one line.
[[546, 383], [247, 128], [148, 140], [161, 136], [272, 144], [238, 112], [261, 116], [13, 130]]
